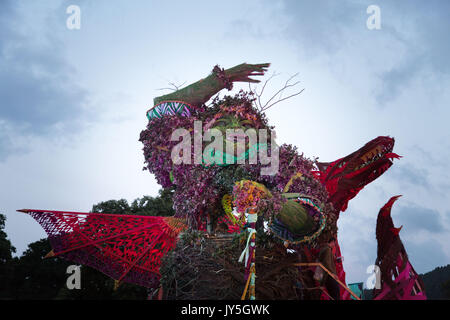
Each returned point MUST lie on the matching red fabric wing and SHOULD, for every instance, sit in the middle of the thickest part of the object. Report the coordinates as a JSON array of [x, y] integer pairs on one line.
[[127, 248]]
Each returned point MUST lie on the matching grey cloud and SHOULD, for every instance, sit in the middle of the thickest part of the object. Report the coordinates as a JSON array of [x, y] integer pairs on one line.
[[433, 26], [416, 218], [393, 81], [429, 48], [36, 87], [319, 25], [425, 256], [325, 27], [6, 145], [241, 28], [433, 159], [409, 175], [436, 162]]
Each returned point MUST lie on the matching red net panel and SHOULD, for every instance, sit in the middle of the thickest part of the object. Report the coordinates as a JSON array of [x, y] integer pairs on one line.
[[127, 248]]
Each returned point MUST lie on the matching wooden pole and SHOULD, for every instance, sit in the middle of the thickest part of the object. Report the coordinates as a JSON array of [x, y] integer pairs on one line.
[[318, 264], [250, 265]]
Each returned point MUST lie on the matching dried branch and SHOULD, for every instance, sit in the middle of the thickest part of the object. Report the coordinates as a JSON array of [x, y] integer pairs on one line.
[[262, 90], [292, 95], [286, 85], [278, 94], [174, 86]]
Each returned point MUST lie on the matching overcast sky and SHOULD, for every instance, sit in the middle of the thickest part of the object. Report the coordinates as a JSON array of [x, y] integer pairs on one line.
[[73, 102]]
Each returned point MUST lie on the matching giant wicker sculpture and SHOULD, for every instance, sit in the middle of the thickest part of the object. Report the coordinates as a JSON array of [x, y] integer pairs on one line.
[[235, 221]]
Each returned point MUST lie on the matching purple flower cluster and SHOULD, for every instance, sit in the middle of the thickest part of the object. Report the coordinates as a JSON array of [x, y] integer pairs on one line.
[[199, 189]]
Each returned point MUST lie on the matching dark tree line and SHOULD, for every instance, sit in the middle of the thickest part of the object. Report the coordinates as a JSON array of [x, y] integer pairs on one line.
[[30, 276], [437, 283]]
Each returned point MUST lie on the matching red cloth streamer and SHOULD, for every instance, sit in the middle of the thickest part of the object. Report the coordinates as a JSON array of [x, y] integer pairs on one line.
[[399, 280]]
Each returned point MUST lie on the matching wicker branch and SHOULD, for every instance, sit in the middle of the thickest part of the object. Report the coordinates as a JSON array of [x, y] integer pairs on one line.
[[271, 102]]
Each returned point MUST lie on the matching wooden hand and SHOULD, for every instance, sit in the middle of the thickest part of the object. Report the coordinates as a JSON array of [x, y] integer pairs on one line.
[[243, 72], [201, 91]]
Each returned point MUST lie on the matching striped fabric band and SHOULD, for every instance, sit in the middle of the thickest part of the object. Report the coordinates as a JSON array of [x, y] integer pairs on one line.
[[169, 108]]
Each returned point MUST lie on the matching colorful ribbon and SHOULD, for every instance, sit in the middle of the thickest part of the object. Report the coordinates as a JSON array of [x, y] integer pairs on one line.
[[249, 254]]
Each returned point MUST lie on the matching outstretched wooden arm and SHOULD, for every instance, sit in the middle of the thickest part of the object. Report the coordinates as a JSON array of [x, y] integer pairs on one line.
[[201, 91]]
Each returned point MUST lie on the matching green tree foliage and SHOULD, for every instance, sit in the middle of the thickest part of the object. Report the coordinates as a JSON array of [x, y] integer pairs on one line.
[[435, 281], [37, 278], [97, 286], [6, 251], [146, 206], [34, 277], [446, 289]]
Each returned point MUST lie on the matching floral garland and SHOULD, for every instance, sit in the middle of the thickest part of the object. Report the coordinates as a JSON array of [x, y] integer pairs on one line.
[[248, 194], [227, 204], [220, 74]]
